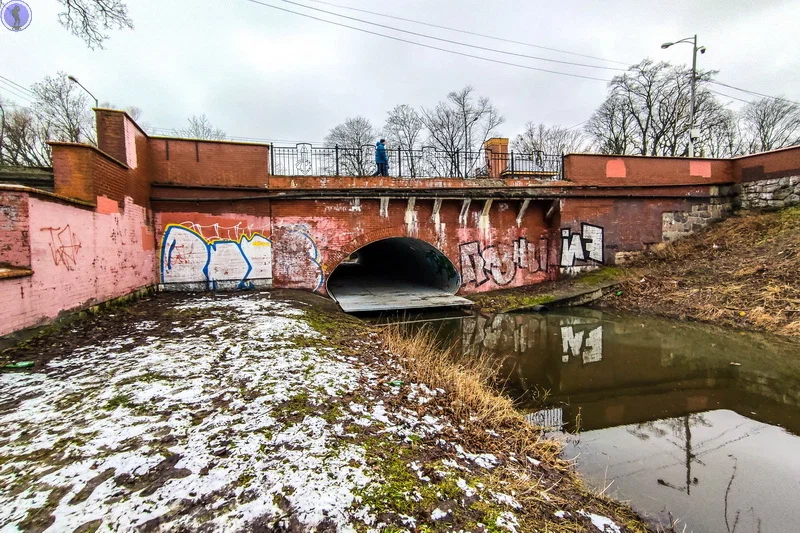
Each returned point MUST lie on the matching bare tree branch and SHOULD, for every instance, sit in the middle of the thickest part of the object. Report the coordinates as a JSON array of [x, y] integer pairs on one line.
[[91, 19]]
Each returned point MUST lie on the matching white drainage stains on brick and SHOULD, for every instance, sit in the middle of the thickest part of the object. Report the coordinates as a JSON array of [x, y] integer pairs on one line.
[[181, 430]]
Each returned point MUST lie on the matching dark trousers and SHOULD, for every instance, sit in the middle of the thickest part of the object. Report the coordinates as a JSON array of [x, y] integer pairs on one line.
[[383, 169]]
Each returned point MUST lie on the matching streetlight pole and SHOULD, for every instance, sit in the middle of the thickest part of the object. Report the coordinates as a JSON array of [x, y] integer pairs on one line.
[[74, 80], [466, 141], [702, 49]]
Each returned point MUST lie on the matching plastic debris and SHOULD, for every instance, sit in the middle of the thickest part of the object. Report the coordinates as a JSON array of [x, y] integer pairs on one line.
[[396, 383], [619, 293], [20, 364], [735, 364]]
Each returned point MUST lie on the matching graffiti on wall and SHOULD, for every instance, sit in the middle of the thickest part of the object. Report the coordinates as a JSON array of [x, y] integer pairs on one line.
[[64, 246], [500, 263], [217, 256], [584, 247], [238, 256]]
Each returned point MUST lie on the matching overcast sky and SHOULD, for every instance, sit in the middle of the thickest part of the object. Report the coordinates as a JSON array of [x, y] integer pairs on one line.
[[258, 72]]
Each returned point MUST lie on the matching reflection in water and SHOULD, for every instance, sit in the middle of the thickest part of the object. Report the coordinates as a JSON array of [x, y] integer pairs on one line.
[[664, 415]]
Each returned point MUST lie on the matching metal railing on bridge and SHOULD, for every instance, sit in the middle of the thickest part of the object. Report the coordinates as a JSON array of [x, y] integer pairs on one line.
[[427, 162]]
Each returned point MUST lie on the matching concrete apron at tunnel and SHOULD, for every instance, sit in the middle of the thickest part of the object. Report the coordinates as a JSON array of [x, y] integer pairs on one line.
[[395, 273]]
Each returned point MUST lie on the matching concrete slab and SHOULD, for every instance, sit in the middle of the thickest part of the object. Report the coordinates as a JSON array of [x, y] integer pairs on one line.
[[368, 295]]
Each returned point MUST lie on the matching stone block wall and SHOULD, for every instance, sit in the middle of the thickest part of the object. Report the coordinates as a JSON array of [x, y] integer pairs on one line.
[[772, 193], [678, 224]]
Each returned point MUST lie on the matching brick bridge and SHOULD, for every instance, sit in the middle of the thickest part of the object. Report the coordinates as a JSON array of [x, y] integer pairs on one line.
[[140, 211]]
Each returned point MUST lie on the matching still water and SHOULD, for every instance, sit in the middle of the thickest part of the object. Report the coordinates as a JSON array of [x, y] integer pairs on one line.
[[687, 422]]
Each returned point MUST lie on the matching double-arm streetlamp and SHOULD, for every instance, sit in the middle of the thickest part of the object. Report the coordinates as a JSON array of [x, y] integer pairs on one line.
[[702, 49]]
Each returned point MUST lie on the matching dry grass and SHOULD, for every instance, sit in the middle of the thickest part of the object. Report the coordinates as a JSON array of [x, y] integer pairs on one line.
[[478, 406], [743, 272]]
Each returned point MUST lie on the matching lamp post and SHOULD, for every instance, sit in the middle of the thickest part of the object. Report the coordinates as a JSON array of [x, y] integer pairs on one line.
[[74, 80], [702, 49], [466, 141]]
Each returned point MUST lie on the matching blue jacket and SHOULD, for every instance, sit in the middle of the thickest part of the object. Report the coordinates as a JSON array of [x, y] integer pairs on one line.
[[380, 153]]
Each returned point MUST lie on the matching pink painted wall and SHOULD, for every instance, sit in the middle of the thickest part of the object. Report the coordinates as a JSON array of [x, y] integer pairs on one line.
[[79, 257]]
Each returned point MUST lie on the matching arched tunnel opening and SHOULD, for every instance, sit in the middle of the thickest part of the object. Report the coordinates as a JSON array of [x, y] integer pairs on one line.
[[395, 273]]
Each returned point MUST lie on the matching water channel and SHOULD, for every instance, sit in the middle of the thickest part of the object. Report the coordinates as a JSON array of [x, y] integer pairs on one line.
[[687, 422]]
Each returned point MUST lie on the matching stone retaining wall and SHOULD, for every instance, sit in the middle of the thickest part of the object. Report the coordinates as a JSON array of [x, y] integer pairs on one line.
[[771, 193]]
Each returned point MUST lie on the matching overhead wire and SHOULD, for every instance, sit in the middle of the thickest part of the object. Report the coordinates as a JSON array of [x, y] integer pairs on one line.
[[449, 28], [450, 41], [17, 85], [16, 94], [467, 32], [464, 54], [755, 93]]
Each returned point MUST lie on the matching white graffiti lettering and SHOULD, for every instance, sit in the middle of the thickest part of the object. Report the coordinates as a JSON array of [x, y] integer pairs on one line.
[[499, 263], [586, 246]]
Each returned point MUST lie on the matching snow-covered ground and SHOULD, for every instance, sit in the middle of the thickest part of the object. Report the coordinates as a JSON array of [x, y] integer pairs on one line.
[[227, 413]]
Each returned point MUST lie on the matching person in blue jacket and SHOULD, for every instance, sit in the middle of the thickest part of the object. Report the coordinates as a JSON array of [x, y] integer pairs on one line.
[[381, 159]]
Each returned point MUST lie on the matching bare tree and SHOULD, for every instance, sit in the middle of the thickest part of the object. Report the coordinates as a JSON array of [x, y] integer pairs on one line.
[[24, 138], [404, 129], [355, 138], [200, 127], [647, 111], [90, 20], [770, 123], [460, 126], [65, 108], [549, 140], [611, 128]]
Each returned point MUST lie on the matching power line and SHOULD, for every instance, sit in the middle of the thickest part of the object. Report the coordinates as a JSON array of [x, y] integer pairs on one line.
[[464, 54], [448, 28], [12, 82], [16, 94], [729, 96], [753, 92], [449, 41]]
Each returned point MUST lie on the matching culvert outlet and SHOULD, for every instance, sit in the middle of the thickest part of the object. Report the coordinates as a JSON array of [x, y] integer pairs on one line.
[[396, 273]]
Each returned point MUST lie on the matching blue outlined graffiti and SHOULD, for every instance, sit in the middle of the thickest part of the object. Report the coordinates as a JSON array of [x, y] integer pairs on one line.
[[187, 257]]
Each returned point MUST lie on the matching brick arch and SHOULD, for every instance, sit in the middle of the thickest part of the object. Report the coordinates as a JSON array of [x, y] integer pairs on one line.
[[334, 257]]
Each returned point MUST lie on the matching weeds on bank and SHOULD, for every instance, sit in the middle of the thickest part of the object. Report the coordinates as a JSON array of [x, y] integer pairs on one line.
[[470, 382]]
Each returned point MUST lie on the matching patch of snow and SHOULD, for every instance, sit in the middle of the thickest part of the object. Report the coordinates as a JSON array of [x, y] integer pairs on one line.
[[438, 514], [507, 500], [507, 521], [602, 523]]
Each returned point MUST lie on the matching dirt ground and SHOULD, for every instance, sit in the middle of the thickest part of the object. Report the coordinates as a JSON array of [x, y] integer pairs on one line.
[[743, 272], [263, 411]]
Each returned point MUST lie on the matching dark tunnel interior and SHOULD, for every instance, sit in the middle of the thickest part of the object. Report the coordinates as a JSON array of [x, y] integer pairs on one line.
[[392, 265]]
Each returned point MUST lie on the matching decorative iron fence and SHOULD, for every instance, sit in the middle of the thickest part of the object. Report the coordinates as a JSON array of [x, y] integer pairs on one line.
[[427, 162]]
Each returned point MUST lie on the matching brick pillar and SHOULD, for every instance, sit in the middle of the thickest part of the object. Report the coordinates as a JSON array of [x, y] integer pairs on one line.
[[111, 133], [496, 150]]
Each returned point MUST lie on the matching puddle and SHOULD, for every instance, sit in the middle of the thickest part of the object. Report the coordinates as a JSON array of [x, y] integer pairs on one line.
[[688, 422]]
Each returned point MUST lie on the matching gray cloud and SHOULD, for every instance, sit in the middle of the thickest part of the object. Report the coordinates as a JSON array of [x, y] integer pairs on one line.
[[257, 72]]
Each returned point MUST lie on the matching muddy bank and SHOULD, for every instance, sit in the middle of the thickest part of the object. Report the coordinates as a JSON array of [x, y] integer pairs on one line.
[[263, 411], [743, 273]]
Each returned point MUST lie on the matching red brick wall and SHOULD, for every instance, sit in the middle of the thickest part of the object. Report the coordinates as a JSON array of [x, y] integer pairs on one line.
[[15, 245], [309, 238], [603, 170], [209, 163], [769, 165]]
